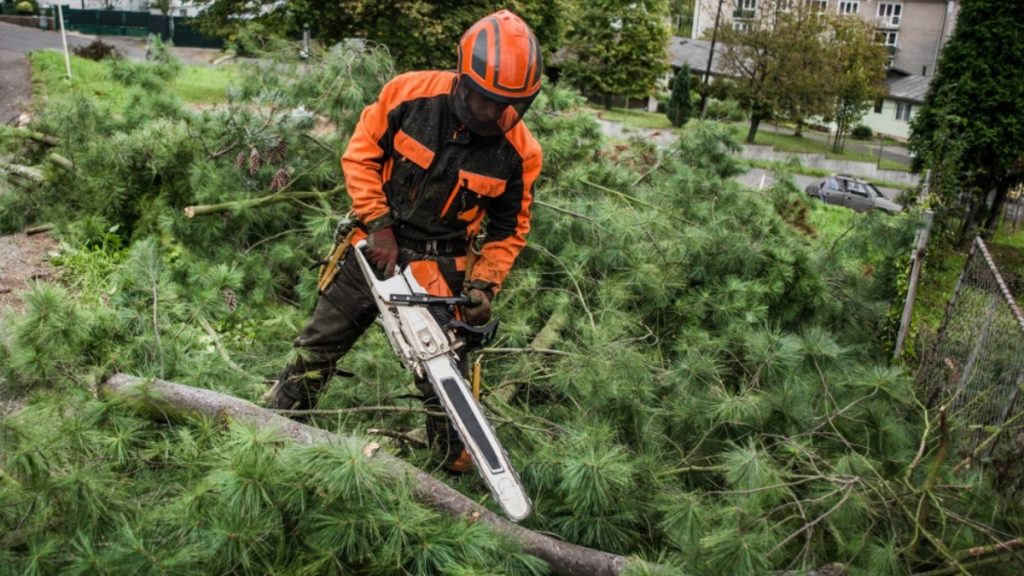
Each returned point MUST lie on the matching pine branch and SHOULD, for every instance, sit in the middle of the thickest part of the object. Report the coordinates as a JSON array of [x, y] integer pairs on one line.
[[220, 346], [565, 211], [38, 229], [61, 162], [205, 209], [167, 400], [319, 143], [406, 437], [357, 410], [26, 134], [541, 343], [29, 173]]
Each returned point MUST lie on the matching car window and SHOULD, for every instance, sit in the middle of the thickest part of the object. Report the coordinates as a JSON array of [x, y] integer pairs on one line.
[[857, 188], [830, 184], [874, 191]]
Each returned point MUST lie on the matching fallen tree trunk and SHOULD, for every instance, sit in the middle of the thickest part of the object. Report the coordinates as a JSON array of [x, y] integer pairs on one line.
[[169, 401]]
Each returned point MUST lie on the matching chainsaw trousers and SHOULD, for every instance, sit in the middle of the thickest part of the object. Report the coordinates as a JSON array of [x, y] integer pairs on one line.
[[344, 310]]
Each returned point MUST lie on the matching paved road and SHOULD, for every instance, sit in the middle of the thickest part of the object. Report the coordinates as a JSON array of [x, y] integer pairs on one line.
[[22, 40], [759, 178], [17, 41]]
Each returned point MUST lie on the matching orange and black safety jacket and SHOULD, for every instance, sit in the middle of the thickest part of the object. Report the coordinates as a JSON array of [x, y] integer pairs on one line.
[[411, 165]]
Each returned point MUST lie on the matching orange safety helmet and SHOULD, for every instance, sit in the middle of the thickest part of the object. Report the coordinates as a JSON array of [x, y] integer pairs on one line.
[[499, 73]]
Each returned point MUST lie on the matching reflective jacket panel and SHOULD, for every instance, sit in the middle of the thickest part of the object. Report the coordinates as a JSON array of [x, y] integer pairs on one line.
[[410, 164]]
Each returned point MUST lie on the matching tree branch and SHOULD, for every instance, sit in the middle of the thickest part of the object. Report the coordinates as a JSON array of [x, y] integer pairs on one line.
[[205, 209], [167, 400]]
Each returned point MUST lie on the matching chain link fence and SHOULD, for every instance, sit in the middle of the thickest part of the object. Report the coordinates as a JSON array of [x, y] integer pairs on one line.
[[975, 369]]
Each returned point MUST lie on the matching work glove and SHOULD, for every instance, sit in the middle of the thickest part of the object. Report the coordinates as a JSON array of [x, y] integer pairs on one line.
[[382, 250], [478, 311]]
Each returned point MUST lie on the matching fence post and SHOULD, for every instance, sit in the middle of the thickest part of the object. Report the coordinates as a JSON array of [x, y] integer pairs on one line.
[[916, 262]]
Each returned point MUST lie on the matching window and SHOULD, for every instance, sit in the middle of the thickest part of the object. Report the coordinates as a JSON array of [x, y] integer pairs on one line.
[[819, 5], [889, 39], [745, 9], [878, 105], [741, 26], [890, 14], [903, 111], [849, 7]]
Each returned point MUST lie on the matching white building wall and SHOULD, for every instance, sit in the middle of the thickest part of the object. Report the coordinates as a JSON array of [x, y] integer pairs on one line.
[[885, 122]]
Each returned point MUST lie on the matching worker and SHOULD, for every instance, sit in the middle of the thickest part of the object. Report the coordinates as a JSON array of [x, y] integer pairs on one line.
[[439, 160]]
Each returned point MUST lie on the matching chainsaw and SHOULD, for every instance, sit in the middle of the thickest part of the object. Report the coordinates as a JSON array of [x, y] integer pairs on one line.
[[431, 351]]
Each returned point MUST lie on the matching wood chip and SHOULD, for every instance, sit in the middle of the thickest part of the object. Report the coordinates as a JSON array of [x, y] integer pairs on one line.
[[370, 449]]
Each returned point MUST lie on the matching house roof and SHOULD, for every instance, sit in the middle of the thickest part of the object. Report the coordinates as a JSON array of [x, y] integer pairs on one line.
[[694, 53], [910, 88]]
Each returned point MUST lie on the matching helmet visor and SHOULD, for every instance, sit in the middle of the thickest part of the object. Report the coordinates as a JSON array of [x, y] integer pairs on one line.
[[482, 114]]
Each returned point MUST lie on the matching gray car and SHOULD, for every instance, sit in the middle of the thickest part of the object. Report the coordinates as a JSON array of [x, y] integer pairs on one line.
[[843, 190]]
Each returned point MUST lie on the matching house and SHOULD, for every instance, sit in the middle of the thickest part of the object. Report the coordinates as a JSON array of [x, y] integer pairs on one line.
[[914, 31], [891, 115]]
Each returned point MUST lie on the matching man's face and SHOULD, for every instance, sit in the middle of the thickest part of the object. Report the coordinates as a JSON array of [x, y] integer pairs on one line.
[[484, 110]]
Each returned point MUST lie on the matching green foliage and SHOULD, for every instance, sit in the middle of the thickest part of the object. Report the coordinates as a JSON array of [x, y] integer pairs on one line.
[[860, 77], [861, 132], [617, 49], [720, 401], [963, 132], [419, 35], [724, 110], [793, 62], [680, 104]]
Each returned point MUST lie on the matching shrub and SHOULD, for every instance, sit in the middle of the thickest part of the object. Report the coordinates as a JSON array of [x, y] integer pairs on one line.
[[725, 110], [680, 106], [861, 132], [25, 8], [97, 51]]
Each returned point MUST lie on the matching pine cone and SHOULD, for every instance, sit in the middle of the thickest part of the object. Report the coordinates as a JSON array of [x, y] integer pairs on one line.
[[281, 180], [231, 299], [276, 153], [254, 161], [240, 160]]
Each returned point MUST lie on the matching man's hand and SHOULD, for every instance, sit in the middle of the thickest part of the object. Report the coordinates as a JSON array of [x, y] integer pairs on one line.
[[479, 311], [382, 250]]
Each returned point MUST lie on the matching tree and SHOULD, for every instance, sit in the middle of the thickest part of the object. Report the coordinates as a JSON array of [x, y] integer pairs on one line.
[[419, 33], [808, 92], [976, 100], [618, 48], [794, 62], [680, 105], [754, 54], [858, 69]]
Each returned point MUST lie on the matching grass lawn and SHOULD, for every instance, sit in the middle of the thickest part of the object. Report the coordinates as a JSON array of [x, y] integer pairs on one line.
[[942, 269], [195, 84], [634, 118], [790, 143]]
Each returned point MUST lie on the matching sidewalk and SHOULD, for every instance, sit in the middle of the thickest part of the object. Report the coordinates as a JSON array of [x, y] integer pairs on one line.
[[895, 152]]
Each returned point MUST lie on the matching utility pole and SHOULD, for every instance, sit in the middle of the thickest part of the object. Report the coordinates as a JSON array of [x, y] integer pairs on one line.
[[711, 56]]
